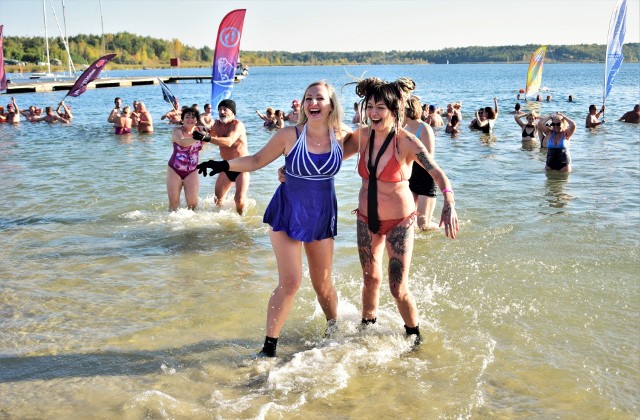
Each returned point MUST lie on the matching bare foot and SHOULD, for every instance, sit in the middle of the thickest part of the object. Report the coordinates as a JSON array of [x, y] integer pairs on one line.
[[423, 225]]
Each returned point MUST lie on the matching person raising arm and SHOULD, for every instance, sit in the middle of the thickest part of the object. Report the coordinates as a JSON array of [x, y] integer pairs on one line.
[[303, 211]]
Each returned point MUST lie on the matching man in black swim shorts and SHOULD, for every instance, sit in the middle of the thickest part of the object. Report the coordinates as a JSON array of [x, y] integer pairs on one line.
[[231, 136]]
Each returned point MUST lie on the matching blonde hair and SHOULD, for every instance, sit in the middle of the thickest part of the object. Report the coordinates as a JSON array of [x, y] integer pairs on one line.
[[335, 116], [413, 108]]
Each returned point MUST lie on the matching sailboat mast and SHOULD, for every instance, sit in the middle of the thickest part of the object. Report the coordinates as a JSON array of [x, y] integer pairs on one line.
[[102, 25], [66, 38], [46, 34]]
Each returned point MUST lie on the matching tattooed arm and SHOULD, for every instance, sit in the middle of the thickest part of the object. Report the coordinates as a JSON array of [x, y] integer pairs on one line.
[[449, 217]]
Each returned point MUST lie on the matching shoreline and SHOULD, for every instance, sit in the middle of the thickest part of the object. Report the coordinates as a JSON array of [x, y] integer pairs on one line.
[[15, 69]]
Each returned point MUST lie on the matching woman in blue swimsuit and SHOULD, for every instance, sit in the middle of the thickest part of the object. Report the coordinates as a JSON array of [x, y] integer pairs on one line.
[[558, 135], [303, 210]]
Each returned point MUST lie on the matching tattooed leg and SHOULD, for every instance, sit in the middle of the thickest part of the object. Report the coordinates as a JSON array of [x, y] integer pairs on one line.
[[370, 248], [400, 249], [364, 244]]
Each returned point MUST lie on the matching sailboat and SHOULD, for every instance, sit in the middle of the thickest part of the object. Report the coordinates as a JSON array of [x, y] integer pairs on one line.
[[48, 76]]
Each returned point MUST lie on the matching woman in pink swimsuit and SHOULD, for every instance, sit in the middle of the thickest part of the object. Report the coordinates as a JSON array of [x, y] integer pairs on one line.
[[122, 124], [182, 165]]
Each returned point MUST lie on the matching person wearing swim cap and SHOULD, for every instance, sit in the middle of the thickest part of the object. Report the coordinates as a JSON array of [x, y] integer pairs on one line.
[[433, 117], [230, 135]]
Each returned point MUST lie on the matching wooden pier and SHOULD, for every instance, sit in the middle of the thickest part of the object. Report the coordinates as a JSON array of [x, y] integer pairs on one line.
[[27, 85]]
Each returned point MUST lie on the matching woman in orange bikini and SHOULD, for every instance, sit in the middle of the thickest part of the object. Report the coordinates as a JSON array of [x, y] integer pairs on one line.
[[386, 208]]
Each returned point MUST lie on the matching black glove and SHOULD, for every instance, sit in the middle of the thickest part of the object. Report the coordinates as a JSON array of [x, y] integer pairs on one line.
[[216, 167], [198, 135]]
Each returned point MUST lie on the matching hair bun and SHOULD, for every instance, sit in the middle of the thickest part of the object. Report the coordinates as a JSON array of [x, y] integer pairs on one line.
[[366, 84], [406, 85]]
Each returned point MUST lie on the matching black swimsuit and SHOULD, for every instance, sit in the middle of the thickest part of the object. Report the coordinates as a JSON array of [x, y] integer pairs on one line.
[[527, 134]]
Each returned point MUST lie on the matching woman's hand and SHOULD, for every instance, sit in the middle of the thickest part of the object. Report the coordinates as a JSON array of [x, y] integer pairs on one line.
[[281, 176], [449, 219]]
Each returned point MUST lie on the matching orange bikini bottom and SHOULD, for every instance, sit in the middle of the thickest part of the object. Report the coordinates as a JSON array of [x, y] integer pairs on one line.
[[387, 225]]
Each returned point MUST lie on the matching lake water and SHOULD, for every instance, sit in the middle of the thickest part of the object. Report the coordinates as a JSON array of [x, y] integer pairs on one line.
[[111, 307]]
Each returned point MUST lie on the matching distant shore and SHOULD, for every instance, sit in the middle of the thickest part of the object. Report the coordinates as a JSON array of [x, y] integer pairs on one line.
[[33, 68], [135, 52]]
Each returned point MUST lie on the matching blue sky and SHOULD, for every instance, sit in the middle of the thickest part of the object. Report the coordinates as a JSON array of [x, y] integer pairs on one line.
[[334, 25]]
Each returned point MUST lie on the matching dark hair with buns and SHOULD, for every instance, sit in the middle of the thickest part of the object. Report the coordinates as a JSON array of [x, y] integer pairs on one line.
[[393, 94]]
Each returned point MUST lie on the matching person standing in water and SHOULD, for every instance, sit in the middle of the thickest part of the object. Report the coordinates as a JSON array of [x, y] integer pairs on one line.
[[181, 172], [592, 118], [142, 118], [116, 112], [303, 211], [230, 135], [633, 116], [557, 136], [386, 207], [421, 183]]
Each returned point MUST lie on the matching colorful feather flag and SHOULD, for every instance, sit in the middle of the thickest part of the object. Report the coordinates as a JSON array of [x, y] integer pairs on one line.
[[225, 59], [88, 76], [168, 96], [3, 75], [613, 60], [534, 75]]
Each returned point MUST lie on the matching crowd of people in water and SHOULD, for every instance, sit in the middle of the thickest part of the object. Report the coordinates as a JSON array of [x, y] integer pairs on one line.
[[392, 132]]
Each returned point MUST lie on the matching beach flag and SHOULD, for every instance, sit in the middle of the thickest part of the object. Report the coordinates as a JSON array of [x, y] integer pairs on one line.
[[534, 74], [225, 58], [168, 96], [613, 60], [88, 76], [3, 75]]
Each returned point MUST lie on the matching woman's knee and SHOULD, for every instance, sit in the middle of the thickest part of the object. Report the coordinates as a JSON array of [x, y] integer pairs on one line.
[[324, 289], [371, 280], [399, 292], [288, 286], [192, 204]]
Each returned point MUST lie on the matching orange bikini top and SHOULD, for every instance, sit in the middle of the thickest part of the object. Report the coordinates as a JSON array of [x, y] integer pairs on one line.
[[390, 173]]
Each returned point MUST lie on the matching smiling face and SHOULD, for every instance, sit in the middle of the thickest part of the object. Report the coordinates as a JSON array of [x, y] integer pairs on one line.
[[556, 125], [379, 114], [317, 104], [225, 115], [189, 118]]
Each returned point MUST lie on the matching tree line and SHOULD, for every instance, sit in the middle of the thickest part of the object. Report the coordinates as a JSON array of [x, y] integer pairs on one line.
[[132, 49]]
